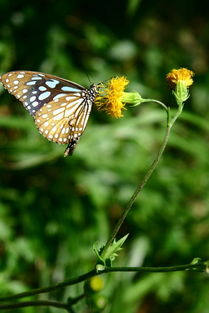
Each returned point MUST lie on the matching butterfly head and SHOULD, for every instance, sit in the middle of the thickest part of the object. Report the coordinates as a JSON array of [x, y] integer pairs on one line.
[[94, 88], [93, 91]]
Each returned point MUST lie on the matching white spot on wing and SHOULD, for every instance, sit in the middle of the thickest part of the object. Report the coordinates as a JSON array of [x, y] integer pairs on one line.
[[42, 88], [36, 78], [44, 95], [31, 83], [59, 96], [52, 83], [67, 88], [32, 98]]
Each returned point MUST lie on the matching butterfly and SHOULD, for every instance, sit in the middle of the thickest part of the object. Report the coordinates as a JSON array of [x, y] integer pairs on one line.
[[60, 107]]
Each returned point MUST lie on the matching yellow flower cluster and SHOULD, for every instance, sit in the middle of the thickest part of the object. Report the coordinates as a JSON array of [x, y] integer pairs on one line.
[[181, 75], [110, 96]]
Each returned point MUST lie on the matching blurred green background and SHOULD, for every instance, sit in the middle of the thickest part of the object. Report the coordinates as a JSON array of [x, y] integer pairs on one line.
[[52, 209]]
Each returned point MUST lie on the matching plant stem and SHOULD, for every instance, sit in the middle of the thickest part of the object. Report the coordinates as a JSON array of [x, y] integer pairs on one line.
[[139, 187], [63, 284], [35, 303], [177, 268], [73, 301], [156, 101], [199, 266], [151, 169]]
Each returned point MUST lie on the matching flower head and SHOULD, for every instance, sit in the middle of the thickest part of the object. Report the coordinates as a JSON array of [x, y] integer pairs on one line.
[[110, 96], [182, 75]]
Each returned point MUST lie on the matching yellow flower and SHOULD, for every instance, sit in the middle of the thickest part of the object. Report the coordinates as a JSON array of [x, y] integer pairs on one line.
[[182, 75], [96, 283], [110, 96]]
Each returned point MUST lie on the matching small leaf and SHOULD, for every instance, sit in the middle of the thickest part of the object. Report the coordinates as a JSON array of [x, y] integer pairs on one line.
[[106, 256], [112, 251]]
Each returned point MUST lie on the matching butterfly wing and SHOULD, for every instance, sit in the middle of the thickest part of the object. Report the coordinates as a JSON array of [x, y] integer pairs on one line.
[[34, 89], [60, 107], [64, 121]]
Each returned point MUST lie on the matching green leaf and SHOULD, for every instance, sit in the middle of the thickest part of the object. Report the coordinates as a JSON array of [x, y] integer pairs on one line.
[[108, 255]]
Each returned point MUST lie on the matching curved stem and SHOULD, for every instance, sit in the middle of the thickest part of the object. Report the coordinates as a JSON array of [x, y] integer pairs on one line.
[[156, 101], [73, 301], [55, 304], [141, 184], [199, 266], [63, 284]]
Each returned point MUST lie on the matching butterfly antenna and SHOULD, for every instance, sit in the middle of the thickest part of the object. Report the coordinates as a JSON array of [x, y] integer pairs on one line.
[[90, 82]]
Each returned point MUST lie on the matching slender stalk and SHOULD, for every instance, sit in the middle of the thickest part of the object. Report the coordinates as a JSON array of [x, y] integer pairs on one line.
[[153, 166], [141, 185], [63, 284], [73, 301], [35, 303], [186, 267], [156, 101], [199, 266]]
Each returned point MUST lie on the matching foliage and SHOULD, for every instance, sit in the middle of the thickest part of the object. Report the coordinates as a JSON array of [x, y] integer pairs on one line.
[[53, 209]]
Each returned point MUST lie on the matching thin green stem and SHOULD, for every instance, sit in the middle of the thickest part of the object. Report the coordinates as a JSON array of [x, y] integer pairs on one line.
[[141, 185], [197, 266], [186, 267], [63, 284], [156, 101], [178, 113], [153, 166], [25, 304], [73, 301]]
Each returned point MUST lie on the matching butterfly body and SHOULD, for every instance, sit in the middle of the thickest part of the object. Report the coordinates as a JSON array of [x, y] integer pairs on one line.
[[60, 107]]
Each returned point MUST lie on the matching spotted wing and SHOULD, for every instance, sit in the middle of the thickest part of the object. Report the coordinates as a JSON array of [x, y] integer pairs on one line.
[[60, 107], [64, 119], [35, 89]]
